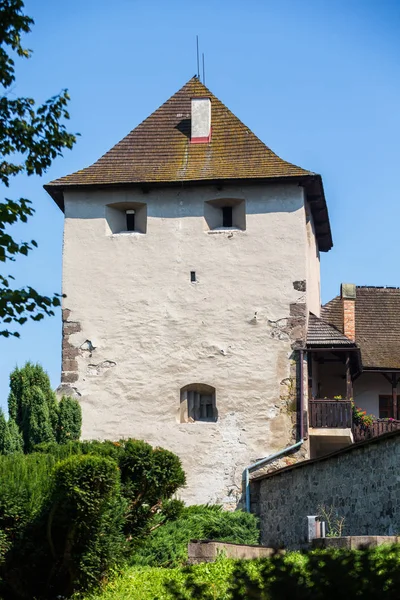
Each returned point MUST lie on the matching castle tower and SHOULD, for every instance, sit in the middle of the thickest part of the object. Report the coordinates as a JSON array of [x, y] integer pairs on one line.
[[191, 260]]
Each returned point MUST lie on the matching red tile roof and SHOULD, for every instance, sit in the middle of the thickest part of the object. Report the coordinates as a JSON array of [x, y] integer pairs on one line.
[[158, 151]]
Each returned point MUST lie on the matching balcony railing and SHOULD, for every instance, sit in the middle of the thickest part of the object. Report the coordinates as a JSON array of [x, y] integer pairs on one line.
[[339, 414], [378, 427], [331, 413]]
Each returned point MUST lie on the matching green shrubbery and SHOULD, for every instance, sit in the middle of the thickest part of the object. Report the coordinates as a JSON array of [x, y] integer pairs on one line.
[[372, 574], [167, 545], [69, 514]]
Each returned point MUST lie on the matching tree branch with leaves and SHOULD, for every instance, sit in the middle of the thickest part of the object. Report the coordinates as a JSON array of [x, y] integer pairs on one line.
[[31, 137]]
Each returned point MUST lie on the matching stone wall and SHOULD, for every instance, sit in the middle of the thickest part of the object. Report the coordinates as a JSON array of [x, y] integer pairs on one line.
[[361, 483], [208, 551]]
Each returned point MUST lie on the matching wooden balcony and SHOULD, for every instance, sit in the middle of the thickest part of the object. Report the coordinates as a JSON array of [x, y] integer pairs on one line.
[[330, 414], [378, 427]]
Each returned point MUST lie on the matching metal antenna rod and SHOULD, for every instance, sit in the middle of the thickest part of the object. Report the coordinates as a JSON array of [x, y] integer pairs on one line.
[[204, 70], [198, 61]]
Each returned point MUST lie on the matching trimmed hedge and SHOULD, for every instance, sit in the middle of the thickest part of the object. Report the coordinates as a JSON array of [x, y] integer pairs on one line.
[[65, 524]]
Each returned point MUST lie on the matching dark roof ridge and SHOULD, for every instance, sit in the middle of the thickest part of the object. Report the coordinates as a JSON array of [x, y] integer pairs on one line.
[[377, 287]]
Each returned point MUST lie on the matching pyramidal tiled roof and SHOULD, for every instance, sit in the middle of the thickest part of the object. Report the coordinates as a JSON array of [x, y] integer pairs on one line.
[[159, 151]]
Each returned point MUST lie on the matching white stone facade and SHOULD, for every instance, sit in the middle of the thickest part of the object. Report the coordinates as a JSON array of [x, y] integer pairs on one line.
[[138, 329]]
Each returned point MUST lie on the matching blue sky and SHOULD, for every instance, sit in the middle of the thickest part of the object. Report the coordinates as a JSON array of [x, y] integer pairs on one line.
[[318, 81]]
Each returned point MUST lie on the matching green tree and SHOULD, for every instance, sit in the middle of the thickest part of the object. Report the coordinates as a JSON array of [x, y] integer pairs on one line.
[[69, 420], [31, 137], [35, 414], [10, 436], [32, 404], [13, 443]]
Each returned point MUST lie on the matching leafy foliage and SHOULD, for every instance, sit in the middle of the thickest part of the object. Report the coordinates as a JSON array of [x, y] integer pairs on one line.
[[83, 510], [317, 575], [25, 488], [31, 137], [35, 416], [149, 477], [360, 416], [154, 583], [167, 545], [69, 420], [10, 436]]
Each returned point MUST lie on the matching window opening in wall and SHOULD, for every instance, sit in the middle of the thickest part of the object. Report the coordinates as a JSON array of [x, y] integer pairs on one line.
[[193, 276], [227, 217], [130, 220], [386, 410], [198, 403]]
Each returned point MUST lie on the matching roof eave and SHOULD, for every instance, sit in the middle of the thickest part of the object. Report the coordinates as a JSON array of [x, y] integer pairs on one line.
[[316, 198]]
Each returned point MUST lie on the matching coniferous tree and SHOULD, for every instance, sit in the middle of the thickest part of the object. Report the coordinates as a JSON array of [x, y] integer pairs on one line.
[[70, 420], [32, 404], [3, 432], [13, 442], [10, 436]]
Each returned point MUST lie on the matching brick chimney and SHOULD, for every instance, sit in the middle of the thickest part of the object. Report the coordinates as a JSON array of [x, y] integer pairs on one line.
[[201, 121], [348, 295]]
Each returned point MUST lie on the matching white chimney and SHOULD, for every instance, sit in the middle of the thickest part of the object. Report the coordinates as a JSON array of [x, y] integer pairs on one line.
[[201, 120]]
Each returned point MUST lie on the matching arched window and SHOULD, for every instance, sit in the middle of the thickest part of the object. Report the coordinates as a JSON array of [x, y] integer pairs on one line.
[[198, 403]]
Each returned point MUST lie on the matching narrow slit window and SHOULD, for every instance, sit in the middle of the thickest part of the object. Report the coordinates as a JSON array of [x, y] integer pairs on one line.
[[130, 220], [227, 220], [193, 276]]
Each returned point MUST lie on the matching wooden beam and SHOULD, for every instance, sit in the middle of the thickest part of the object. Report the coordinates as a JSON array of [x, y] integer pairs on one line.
[[349, 383], [386, 376], [394, 395]]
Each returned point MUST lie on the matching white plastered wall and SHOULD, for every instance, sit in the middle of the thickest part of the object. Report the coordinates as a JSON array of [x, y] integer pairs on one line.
[[367, 389], [153, 331], [313, 267]]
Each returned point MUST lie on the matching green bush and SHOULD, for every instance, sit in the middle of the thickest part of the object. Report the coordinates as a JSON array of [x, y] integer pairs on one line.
[[149, 477], [26, 485], [85, 522], [154, 583], [370, 574], [167, 546], [69, 514]]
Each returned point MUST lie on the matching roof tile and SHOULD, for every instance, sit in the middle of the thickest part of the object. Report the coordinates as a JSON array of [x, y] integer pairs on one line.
[[377, 325], [159, 149]]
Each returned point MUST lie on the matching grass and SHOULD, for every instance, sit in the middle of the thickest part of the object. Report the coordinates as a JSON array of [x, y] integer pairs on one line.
[[148, 583]]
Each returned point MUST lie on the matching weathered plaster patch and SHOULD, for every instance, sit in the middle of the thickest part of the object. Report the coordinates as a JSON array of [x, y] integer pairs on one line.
[[100, 368], [68, 390]]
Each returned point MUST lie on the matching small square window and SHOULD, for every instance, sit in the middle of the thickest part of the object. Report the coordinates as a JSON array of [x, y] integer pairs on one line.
[[225, 213]]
